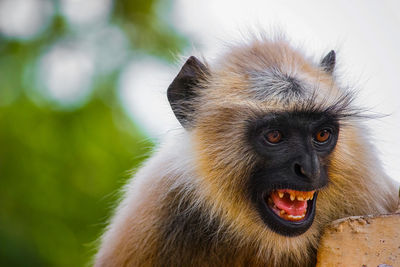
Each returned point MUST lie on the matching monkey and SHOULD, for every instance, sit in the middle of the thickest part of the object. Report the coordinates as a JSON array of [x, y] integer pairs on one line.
[[272, 148]]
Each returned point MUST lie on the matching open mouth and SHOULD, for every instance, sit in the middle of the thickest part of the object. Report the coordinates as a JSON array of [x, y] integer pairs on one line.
[[287, 211], [290, 205]]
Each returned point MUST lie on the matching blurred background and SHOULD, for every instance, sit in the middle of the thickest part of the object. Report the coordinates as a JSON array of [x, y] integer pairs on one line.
[[82, 98]]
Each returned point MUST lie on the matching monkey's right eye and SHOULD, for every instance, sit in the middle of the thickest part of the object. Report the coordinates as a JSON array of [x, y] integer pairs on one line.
[[273, 136], [323, 136]]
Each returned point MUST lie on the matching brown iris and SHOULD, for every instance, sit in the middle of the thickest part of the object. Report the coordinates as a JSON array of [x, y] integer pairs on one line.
[[274, 136], [322, 136]]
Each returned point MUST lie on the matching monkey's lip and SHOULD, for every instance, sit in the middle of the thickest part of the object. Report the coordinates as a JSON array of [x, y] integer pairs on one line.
[[290, 205]]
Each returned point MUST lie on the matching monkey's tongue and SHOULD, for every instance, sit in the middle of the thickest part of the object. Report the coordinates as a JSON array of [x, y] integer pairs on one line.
[[295, 207]]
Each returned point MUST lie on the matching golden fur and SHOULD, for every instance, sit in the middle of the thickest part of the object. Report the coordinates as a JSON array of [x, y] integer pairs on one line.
[[194, 185]]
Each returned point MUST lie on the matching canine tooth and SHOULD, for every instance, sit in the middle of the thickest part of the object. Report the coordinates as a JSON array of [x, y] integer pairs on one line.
[[292, 197], [312, 196], [282, 212], [280, 194], [300, 198]]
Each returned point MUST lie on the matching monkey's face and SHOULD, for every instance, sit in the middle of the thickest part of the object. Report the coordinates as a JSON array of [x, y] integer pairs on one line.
[[292, 150], [264, 126]]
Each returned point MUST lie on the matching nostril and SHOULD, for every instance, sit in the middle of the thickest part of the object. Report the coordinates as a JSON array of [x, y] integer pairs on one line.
[[299, 170]]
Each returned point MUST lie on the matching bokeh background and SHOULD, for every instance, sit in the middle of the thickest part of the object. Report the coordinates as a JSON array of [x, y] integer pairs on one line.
[[82, 97]]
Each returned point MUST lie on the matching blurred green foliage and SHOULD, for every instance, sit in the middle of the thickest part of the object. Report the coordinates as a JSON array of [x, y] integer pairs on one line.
[[60, 170]]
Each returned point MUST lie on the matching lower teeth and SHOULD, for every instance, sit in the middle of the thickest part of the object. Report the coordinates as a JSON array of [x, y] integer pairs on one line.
[[296, 217]]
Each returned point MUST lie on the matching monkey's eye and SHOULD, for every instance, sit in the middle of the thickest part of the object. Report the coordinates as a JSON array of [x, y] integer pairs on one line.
[[322, 136], [273, 136]]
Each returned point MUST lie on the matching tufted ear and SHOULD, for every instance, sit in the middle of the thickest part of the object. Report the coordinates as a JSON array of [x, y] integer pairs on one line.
[[183, 89], [328, 62]]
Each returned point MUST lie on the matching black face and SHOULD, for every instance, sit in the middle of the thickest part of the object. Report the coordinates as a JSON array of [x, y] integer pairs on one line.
[[293, 150]]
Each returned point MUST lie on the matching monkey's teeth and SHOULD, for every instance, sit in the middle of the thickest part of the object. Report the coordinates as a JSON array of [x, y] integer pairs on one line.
[[295, 217], [312, 196], [300, 198], [292, 197], [281, 194], [282, 212]]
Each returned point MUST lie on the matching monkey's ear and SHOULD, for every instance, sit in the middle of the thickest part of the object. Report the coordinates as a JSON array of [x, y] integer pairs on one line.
[[328, 62], [182, 90]]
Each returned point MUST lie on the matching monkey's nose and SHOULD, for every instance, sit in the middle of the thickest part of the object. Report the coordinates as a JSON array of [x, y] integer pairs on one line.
[[303, 171], [307, 170], [299, 170]]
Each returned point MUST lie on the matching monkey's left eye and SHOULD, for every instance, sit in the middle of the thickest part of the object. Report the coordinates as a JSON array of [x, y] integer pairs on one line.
[[273, 136], [323, 136]]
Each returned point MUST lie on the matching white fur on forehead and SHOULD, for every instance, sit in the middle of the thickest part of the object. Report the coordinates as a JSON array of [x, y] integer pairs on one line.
[[274, 64], [270, 71], [271, 83]]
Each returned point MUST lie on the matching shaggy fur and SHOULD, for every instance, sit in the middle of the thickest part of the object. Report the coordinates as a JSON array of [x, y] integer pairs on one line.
[[187, 206]]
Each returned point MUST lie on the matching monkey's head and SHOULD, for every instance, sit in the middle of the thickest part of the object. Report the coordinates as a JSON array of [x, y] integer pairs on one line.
[[265, 123]]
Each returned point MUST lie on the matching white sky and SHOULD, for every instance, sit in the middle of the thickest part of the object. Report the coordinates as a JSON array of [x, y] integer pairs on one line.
[[364, 33]]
